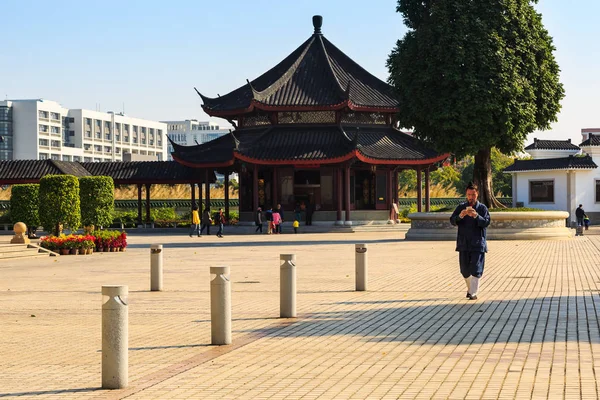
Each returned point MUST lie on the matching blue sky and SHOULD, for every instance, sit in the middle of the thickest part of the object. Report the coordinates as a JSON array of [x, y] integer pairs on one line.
[[149, 54]]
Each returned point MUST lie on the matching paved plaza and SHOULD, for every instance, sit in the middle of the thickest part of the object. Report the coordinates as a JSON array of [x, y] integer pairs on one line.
[[533, 333]]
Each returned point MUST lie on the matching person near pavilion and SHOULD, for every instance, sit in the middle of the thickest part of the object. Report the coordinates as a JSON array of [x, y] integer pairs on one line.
[[472, 219], [206, 221]]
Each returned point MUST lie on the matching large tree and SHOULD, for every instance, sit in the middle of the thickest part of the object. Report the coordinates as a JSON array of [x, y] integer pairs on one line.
[[475, 74]]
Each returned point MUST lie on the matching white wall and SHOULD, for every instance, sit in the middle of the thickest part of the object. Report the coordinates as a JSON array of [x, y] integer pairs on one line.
[[560, 189], [586, 189]]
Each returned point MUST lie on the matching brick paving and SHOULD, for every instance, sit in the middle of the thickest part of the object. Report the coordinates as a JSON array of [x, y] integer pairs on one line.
[[534, 332]]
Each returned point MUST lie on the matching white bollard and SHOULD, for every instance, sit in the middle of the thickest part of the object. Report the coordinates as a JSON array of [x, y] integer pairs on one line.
[[220, 306], [287, 286], [115, 333], [156, 267], [362, 267]]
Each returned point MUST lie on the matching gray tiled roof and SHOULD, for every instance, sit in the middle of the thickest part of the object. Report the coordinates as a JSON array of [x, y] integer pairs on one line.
[[315, 74], [552, 163], [593, 140], [552, 145]]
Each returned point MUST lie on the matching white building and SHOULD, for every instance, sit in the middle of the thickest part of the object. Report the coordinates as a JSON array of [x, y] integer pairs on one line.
[[560, 175], [42, 129], [191, 132]]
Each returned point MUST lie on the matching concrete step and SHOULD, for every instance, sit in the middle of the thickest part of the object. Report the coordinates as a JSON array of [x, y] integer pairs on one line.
[[12, 251], [24, 256]]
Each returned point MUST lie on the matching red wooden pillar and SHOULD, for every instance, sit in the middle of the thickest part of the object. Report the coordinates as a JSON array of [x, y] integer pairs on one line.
[[206, 190], [427, 201], [227, 195], [419, 190], [275, 189], [255, 188], [347, 192], [148, 202], [339, 193], [139, 187]]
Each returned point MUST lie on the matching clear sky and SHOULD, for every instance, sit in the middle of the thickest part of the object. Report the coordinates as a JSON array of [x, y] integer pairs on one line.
[[148, 55]]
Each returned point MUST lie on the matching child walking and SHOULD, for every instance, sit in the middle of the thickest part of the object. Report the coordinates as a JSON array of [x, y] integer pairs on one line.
[[296, 224], [195, 227]]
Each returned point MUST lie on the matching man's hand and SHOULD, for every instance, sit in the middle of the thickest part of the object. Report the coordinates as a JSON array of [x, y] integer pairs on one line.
[[463, 213]]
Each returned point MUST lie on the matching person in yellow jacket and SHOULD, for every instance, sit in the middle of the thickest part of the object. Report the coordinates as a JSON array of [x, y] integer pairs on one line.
[[195, 227], [296, 224]]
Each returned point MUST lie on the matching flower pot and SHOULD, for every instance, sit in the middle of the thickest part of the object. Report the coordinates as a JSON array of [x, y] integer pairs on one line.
[[121, 248], [82, 251], [74, 252], [64, 252], [99, 249], [105, 249]]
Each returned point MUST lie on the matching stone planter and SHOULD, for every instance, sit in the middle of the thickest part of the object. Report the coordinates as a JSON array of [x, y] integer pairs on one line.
[[527, 225]]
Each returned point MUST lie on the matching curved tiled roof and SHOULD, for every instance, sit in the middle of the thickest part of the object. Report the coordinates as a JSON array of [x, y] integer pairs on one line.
[[34, 170], [309, 143], [593, 140], [31, 171], [552, 163], [551, 145], [316, 75]]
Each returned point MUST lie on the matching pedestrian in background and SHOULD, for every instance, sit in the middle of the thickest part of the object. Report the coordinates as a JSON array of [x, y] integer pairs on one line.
[[195, 227]]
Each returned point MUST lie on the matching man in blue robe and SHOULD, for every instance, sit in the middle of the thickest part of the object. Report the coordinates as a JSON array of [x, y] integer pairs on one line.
[[472, 219]]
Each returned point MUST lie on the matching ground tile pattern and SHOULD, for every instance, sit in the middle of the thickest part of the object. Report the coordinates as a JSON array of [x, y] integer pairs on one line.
[[533, 333]]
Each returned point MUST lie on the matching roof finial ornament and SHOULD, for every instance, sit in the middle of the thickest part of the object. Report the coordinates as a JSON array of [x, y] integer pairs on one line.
[[317, 23]]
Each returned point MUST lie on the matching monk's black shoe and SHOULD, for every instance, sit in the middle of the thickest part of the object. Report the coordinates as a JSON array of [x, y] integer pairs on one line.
[[468, 295], [473, 297]]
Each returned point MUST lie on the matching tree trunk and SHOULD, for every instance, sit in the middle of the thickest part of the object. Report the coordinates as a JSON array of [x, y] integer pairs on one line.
[[482, 177]]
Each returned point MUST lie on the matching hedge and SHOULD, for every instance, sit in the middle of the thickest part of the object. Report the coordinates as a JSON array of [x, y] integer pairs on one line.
[[96, 194], [59, 203], [24, 204]]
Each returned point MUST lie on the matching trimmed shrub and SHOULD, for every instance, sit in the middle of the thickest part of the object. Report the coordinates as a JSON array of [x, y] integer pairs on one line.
[[24, 204], [59, 203], [96, 194]]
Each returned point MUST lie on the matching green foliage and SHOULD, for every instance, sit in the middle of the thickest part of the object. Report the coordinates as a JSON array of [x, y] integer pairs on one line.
[[407, 181], [24, 204], [5, 217], [128, 218], [473, 75], [97, 200], [517, 209], [59, 202], [448, 177], [163, 214]]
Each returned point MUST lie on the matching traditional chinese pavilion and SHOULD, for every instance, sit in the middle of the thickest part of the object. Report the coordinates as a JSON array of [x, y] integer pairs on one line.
[[316, 128]]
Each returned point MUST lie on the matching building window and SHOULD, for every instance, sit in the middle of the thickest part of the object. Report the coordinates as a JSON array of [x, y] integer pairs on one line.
[[76, 158], [88, 121], [87, 159], [126, 128], [107, 149], [43, 156], [44, 128], [107, 125], [98, 135], [107, 136], [159, 132], [126, 139], [98, 148], [98, 124], [88, 134], [597, 190], [43, 114], [55, 157], [55, 116], [541, 191], [117, 126], [43, 142], [66, 158], [54, 130], [55, 143]]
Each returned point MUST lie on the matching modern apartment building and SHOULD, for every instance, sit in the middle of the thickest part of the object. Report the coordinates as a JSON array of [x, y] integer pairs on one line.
[[43, 129], [190, 132]]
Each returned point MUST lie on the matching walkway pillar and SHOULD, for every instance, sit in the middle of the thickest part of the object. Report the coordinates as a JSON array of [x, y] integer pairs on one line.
[[347, 194], [361, 267], [193, 185], [148, 202], [139, 188], [255, 187], [227, 195], [156, 267], [206, 190], [427, 182], [419, 190], [340, 195]]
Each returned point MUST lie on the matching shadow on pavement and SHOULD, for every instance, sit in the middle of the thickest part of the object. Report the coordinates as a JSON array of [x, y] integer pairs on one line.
[[542, 319], [47, 392]]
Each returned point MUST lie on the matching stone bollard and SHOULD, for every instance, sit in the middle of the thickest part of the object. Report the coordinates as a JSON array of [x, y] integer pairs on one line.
[[220, 306], [115, 333], [20, 234], [287, 285], [156, 267], [362, 267]]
